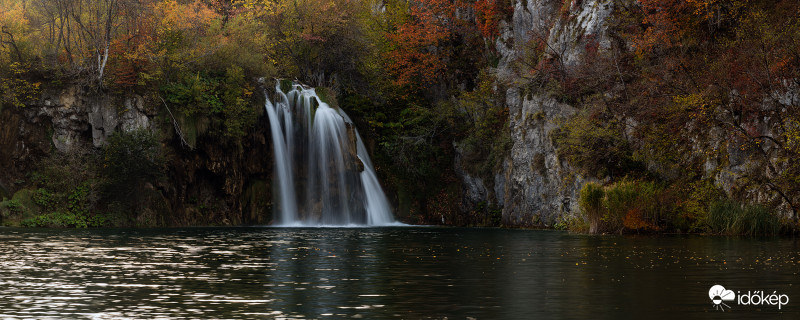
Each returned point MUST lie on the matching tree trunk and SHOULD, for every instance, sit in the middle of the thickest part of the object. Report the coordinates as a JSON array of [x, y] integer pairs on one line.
[[11, 42]]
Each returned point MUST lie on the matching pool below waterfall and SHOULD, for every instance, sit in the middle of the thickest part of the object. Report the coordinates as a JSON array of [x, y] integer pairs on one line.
[[389, 272]]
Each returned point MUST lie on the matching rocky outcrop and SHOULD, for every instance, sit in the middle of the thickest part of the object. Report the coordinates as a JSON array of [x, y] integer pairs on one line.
[[22, 142], [539, 187], [534, 187], [215, 181]]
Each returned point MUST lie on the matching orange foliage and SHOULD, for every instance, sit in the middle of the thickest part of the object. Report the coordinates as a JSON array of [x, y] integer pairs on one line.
[[635, 221], [190, 16], [130, 50], [488, 14], [675, 23], [665, 21], [416, 58]]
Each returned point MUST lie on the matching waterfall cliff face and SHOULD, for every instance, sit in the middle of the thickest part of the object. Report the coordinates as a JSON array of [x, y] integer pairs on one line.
[[536, 187], [323, 173], [212, 181]]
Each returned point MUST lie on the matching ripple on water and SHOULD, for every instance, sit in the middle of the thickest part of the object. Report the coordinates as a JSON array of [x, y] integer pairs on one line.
[[243, 273]]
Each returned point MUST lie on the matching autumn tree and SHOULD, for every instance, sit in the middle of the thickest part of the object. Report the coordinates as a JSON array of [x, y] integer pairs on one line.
[[16, 87], [732, 66], [420, 45], [78, 35], [321, 42], [488, 14]]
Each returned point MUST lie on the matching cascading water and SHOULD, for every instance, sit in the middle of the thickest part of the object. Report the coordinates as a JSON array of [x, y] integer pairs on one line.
[[321, 160]]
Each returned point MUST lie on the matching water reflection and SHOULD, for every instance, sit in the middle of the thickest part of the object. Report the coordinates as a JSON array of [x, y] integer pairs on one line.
[[380, 273]]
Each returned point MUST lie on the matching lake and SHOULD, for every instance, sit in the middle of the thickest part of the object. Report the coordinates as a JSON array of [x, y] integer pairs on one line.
[[392, 272]]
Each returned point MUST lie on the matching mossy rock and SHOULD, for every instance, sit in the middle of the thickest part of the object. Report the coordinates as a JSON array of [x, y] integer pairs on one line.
[[20, 207], [286, 85], [193, 126], [3, 193], [327, 95]]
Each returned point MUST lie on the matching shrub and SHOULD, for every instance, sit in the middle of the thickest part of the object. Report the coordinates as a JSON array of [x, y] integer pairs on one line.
[[130, 158], [61, 173], [13, 206], [626, 205], [72, 211], [621, 198], [65, 219], [67, 193], [696, 199], [130, 161], [729, 217], [44, 198], [222, 95], [591, 204], [596, 144], [20, 206]]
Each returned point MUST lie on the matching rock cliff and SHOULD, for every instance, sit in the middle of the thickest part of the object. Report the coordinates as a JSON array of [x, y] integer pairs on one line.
[[535, 187], [210, 180]]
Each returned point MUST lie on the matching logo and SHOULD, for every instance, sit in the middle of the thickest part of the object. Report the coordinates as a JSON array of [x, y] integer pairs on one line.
[[719, 295]]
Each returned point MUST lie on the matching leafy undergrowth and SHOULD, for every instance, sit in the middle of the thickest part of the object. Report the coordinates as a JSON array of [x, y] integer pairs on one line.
[[646, 207]]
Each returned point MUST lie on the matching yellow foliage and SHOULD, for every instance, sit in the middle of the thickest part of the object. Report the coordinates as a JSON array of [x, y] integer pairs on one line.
[[12, 16], [793, 135], [16, 91], [693, 99], [185, 16]]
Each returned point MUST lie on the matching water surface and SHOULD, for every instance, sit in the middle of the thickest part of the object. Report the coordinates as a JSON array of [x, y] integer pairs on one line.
[[376, 273]]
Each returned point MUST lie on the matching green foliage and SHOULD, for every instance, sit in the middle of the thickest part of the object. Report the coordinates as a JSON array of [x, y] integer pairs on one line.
[[132, 167], [20, 206], [620, 198], [627, 206], [13, 206], [224, 96], [66, 193], [77, 200], [15, 89], [131, 159], [697, 199], [44, 198], [728, 217], [574, 223], [412, 143], [70, 210], [61, 173], [596, 144], [65, 220], [591, 204], [193, 94], [482, 121]]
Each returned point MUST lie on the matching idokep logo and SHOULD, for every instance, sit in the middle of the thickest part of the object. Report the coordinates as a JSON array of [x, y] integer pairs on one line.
[[719, 295]]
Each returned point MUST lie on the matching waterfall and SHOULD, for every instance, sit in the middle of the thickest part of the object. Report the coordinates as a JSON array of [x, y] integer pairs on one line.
[[283, 164], [323, 173]]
